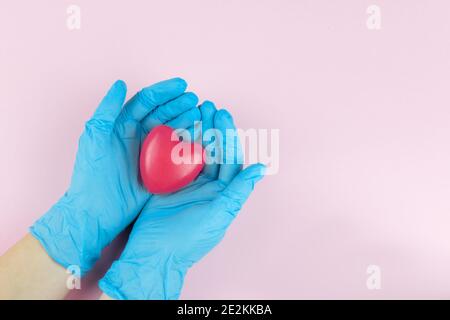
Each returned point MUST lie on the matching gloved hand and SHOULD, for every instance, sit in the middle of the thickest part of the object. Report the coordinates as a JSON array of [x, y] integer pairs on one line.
[[105, 194], [174, 231]]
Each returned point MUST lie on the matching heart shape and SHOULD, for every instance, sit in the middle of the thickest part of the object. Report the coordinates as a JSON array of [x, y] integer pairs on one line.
[[168, 164]]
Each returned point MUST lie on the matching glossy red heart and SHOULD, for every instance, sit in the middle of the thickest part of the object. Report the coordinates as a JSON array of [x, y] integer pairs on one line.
[[160, 165]]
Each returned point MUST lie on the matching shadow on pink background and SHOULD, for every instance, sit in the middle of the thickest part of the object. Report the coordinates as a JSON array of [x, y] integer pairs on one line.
[[364, 119]]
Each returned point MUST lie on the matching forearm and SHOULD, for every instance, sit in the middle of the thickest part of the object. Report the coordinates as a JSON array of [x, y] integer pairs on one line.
[[27, 272]]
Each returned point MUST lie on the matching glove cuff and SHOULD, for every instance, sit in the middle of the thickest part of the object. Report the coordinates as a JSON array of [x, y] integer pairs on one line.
[[143, 280], [63, 237]]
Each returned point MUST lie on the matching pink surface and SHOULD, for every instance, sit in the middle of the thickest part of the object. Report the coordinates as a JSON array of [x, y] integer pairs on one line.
[[364, 119]]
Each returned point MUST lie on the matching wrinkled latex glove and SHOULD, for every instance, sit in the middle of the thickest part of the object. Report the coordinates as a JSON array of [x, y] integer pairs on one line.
[[105, 194], [174, 231]]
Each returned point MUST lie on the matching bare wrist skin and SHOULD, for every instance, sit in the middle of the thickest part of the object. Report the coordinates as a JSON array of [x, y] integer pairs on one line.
[[27, 272], [105, 297]]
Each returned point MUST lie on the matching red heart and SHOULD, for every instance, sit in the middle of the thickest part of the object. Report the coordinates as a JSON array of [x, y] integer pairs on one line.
[[160, 171]]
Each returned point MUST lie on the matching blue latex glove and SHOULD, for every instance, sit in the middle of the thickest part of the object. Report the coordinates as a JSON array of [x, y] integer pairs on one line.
[[174, 231], [105, 194]]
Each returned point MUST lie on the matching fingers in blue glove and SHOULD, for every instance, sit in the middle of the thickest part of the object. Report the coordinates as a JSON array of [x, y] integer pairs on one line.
[[138, 107], [186, 119], [240, 188], [231, 150], [170, 110], [208, 111]]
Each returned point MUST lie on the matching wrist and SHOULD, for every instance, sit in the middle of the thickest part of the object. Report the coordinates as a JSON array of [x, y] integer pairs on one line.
[[63, 232]]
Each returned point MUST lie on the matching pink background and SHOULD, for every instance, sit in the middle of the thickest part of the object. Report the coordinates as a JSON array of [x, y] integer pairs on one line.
[[364, 119]]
